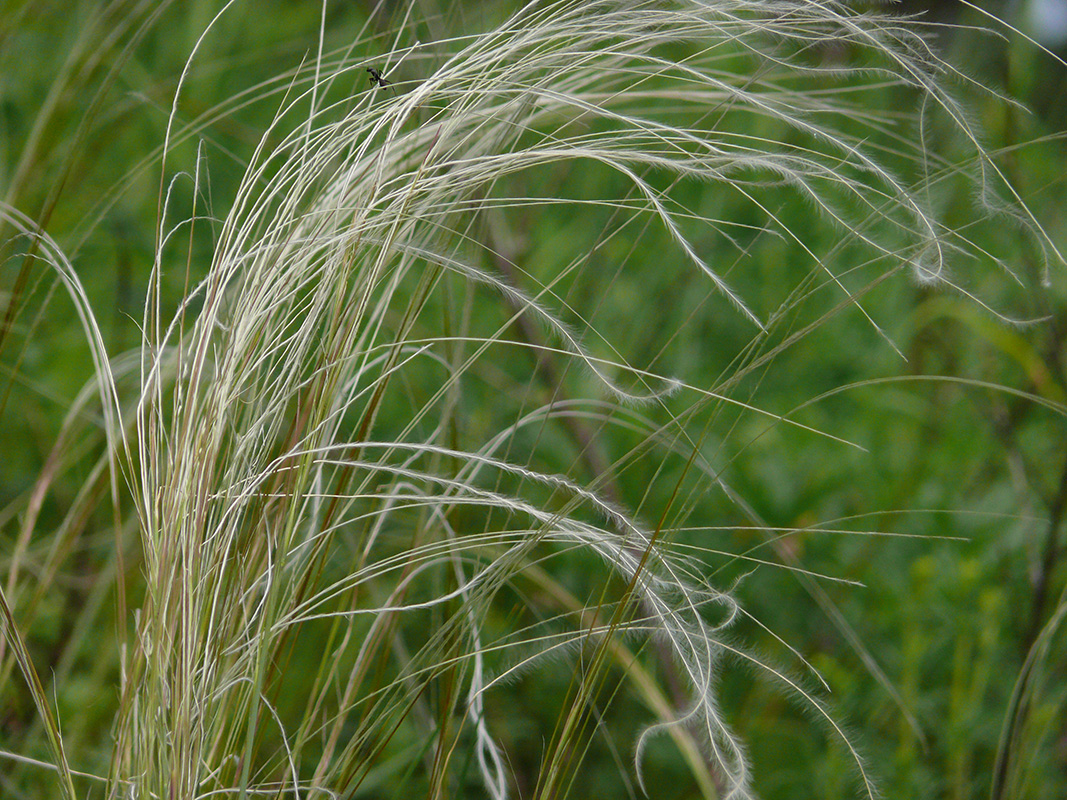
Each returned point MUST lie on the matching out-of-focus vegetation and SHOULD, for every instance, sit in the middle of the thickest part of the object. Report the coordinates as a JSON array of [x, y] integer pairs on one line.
[[937, 508]]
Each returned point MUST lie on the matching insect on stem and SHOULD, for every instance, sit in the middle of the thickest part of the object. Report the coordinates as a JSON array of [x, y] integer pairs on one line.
[[376, 77]]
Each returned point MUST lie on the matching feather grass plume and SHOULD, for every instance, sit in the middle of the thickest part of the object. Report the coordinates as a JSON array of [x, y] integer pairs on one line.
[[299, 480]]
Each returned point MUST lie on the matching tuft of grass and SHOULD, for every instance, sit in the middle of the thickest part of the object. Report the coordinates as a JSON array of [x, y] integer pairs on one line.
[[384, 469]]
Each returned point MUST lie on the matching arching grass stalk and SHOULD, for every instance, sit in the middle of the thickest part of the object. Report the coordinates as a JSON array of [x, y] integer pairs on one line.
[[262, 464]]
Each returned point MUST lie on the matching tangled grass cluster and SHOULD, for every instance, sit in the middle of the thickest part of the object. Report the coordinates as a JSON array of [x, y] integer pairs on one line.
[[343, 575]]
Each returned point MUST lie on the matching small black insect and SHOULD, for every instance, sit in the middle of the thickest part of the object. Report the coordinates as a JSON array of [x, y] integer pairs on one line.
[[376, 77]]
